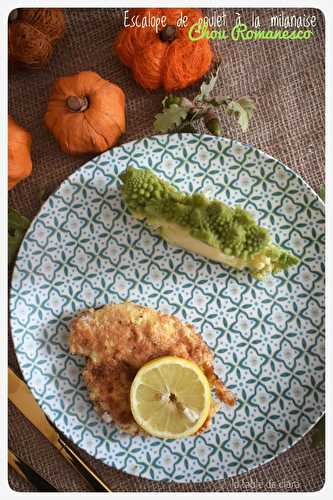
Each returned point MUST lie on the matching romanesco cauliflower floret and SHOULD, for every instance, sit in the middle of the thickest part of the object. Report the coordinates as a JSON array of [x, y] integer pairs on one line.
[[142, 188], [211, 228], [272, 259]]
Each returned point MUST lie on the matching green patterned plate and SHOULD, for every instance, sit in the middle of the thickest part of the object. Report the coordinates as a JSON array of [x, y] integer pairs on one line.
[[85, 250]]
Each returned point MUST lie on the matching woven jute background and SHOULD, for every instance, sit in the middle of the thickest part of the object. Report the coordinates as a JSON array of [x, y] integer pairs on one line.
[[286, 79]]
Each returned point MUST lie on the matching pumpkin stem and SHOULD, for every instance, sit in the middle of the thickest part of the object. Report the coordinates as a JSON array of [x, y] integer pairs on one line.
[[13, 15], [77, 104], [168, 34]]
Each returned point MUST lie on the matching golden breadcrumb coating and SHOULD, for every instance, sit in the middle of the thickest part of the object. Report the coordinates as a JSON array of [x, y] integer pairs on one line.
[[120, 338]]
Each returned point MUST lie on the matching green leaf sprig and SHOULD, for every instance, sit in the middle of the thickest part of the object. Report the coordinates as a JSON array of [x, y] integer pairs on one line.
[[180, 114], [318, 435], [17, 226]]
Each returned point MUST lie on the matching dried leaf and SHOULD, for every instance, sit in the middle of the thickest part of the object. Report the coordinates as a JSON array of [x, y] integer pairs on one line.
[[241, 110], [178, 112], [220, 100], [169, 119], [208, 85], [247, 104]]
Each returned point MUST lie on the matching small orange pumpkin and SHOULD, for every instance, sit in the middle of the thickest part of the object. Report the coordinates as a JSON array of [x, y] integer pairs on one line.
[[19, 158], [86, 113], [168, 58]]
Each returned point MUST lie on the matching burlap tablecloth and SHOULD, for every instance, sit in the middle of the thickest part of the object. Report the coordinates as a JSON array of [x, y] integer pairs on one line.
[[287, 81]]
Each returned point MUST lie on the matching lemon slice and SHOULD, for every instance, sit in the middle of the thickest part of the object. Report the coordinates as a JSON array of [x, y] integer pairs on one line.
[[170, 397]]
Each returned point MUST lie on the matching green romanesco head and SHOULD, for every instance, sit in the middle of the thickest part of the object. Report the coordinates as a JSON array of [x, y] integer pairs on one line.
[[141, 187], [281, 259], [257, 238], [171, 210], [272, 259], [232, 230], [236, 230]]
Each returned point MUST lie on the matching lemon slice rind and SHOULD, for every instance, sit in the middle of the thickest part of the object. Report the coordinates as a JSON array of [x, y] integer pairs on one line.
[[194, 417]]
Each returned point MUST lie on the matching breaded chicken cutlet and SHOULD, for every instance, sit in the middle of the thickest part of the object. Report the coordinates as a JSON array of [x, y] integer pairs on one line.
[[119, 339]]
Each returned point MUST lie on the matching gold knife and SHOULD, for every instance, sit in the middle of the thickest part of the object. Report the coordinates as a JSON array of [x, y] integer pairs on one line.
[[21, 396], [27, 472]]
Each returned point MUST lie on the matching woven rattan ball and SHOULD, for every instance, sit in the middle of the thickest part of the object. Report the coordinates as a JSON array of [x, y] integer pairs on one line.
[[33, 34]]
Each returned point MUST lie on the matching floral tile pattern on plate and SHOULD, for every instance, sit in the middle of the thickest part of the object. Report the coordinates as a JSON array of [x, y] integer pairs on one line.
[[84, 250]]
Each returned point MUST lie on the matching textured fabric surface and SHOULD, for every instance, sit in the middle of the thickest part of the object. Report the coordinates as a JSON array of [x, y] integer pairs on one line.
[[286, 79]]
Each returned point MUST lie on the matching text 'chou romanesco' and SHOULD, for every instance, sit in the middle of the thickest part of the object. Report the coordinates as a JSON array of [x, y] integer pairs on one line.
[[207, 227]]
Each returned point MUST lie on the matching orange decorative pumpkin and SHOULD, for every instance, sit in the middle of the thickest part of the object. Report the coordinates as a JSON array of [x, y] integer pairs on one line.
[[19, 147], [168, 58], [86, 113]]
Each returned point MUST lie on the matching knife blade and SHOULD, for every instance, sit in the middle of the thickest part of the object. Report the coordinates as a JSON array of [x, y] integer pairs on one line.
[[21, 396], [28, 473]]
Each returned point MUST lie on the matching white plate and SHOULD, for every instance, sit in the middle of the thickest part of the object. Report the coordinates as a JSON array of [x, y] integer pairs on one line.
[[85, 250]]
